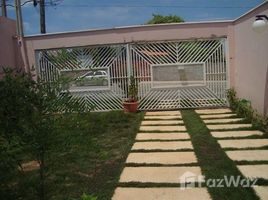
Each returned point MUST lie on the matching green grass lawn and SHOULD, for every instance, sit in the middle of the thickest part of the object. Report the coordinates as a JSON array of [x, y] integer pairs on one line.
[[89, 157]]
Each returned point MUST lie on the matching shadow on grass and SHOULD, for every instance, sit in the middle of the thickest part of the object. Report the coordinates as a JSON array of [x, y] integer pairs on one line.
[[90, 156]]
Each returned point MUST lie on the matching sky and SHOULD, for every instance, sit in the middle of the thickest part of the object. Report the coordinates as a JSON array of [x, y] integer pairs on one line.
[[75, 15]]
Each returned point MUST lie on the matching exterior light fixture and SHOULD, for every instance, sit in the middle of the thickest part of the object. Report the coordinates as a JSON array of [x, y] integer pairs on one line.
[[260, 24]]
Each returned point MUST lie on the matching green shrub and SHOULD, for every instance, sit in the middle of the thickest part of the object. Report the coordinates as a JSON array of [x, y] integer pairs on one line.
[[15, 106], [85, 196], [88, 197], [28, 126], [244, 109]]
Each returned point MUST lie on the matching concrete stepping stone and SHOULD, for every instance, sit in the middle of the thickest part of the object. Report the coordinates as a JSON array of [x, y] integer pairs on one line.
[[254, 171], [163, 117], [163, 113], [160, 174], [162, 158], [217, 116], [228, 126], [243, 143], [214, 111], [162, 128], [173, 145], [226, 134], [218, 121], [162, 136], [164, 122], [248, 155], [262, 192], [160, 194]]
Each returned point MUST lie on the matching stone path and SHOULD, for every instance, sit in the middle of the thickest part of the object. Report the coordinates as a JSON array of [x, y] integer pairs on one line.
[[214, 111], [219, 121], [162, 158], [156, 174], [162, 154], [160, 194], [213, 116], [243, 143], [171, 145], [235, 134], [171, 158], [162, 128], [262, 192], [163, 117], [228, 126], [162, 136], [254, 171], [248, 155], [158, 122]]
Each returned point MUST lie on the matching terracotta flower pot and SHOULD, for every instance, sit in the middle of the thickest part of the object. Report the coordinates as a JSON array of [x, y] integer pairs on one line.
[[130, 106]]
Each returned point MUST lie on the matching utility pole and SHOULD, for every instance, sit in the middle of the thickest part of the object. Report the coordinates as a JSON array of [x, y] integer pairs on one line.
[[4, 8], [42, 17], [19, 18]]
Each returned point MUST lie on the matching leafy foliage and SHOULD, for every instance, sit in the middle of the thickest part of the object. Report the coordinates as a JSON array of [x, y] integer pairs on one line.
[[62, 58], [244, 109], [77, 152], [28, 123], [15, 94], [162, 19], [132, 90], [87, 197]]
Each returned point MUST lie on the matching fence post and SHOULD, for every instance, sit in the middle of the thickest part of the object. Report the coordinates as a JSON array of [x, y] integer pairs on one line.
[[129, 67], [129, 70]]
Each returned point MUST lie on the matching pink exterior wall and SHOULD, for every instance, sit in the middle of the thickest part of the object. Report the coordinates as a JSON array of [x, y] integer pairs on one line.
[[8, 51], [248, 51], [123, 35], [251, 61]]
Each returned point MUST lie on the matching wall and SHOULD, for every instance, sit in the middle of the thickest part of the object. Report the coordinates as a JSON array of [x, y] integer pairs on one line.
[[8, 51], [162, 32], [251, 61], [248, 51]]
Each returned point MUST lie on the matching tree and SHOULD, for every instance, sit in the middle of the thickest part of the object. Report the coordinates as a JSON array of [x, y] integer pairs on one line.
[[15, 94], [28, 125], [162, 19]]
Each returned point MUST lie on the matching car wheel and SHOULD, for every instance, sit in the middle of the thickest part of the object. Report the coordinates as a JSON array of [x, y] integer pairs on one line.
[[105, 82]]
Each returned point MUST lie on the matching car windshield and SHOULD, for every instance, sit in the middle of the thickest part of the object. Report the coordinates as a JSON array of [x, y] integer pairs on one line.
[[91, 73]]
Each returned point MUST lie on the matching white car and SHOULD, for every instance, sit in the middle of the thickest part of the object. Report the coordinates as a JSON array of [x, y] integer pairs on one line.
[[96, 78]]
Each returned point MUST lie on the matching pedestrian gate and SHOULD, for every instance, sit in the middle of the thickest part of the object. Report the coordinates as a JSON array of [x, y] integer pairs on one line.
[[169, 74]]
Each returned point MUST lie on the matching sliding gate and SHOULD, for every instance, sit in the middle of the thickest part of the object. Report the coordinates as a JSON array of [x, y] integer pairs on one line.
[[169, 75]]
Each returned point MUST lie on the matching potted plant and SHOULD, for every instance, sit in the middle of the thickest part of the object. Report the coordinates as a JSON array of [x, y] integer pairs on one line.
[[131, 104]]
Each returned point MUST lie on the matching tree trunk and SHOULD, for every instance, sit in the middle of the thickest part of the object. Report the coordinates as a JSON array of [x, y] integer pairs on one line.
[[42, 178]]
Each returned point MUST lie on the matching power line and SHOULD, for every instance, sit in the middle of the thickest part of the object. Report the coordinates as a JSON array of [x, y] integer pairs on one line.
[[150, 6], [57, 2], [51, 3]]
